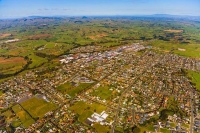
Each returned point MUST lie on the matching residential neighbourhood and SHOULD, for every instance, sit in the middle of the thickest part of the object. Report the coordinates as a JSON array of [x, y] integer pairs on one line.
[[95, 90]]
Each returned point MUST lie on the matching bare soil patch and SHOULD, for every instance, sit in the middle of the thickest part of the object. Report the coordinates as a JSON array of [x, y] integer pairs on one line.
[[5, 35], [12, 60], [173, 31], [97, 36]]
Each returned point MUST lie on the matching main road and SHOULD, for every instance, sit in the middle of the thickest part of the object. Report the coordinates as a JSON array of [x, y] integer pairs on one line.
[[146, 67], [192, 111]]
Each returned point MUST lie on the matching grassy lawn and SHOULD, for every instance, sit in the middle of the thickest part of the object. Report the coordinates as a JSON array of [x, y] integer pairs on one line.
[[36, 61], [24, 117], [192, 50], [147, 128], [16, 123], [56, 49], [110, 44], [195, 76], [1, 92], [172, 124], [7, 113], [50, 45], [38, 107], [77, 89], [101, 129], [152, 129], [85, 110], [185, 125], [67, 88], [64, 87], [102, 92], [164, 130]]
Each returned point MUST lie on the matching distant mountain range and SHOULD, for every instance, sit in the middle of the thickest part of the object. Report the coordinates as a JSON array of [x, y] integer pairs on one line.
[[171, 16], [151, 16]]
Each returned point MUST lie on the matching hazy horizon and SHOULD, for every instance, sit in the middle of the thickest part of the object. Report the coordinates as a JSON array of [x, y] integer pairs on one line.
[[24, 8]]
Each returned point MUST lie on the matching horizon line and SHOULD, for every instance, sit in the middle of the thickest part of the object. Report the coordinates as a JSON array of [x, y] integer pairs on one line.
[[134, 15]]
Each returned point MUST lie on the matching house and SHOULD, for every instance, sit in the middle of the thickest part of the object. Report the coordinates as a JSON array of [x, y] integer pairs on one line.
[[64, 61], [181, 49]]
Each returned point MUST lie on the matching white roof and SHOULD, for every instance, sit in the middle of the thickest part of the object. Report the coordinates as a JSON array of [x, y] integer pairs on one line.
[[62, 60], [104, 116]]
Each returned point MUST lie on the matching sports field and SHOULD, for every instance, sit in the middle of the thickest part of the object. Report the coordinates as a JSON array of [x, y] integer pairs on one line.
[[38, 107], [195, 78], [72, 90], [24, 118], [102, 92], [85, 110]]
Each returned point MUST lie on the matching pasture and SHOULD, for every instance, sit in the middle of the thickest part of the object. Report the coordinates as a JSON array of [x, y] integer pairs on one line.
[[4, 35], [42, 43], [11, 65]]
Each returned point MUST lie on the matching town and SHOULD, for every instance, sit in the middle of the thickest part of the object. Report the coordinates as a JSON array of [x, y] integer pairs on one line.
[[126, 88]]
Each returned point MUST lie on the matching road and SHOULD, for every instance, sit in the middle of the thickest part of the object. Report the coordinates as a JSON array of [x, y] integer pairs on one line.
[[129, 87], [192, 112]]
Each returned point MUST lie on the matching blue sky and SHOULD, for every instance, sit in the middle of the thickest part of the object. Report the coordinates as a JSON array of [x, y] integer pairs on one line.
[[23, 8]]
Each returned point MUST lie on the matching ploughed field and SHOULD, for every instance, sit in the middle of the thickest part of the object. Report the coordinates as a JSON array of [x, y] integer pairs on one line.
[[5, 35], [11, 65]]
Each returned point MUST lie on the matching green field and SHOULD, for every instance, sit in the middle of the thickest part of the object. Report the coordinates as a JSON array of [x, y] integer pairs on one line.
[[41, 44], [1, 92], [36, 61], [195, 77], [100, 129], [16, 123], [85, 110], [24, 118], [163, 130], [186, 125], [67, 88], [148, 127], [191, 50], [7, 113], [38, 107], [11, 65], [102, 92]]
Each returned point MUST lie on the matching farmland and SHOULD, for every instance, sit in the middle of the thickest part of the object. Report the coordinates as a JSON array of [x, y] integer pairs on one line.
[[5, 35], [11, 65], [99, 74], [44, 39]]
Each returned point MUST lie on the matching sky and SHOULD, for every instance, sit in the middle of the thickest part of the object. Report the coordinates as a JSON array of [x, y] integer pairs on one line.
[[24, 8]]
